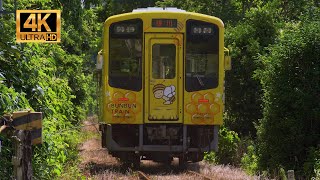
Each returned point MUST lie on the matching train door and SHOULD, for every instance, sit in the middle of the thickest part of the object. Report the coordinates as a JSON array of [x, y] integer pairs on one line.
[[164, 85]]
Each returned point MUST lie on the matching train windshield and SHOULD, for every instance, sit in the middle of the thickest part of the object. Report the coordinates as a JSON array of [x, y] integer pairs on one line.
[[125, 56], [202, 62]]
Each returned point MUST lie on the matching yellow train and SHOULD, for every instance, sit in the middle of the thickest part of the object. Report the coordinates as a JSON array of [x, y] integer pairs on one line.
[[162, 84]]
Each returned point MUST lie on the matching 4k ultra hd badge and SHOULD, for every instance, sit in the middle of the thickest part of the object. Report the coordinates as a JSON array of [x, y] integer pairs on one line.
[[38, 26]]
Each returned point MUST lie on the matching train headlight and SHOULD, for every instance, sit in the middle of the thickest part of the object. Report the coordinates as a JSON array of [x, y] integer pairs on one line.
[[125, 29], [202, 30], [130, 29], [207, 30], [197, 30], [119, 29]]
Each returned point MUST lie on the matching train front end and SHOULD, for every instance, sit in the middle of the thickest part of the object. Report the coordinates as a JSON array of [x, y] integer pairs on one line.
[[162, 85]]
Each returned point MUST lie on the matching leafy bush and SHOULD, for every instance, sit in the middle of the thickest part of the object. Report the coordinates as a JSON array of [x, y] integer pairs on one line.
[[228, 147], [312, 164], [52, 78], [10, 100], [210, 157], [291, 84], [59, 149], [6, 167], [247, 40], [249, 161]]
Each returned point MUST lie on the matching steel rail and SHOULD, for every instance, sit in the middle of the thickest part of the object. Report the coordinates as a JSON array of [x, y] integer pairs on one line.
[[142, 175]]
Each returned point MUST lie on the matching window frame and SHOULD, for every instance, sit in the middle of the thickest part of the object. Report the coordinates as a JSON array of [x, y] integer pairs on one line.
[[137, 84], [196, 38], [174, 64]]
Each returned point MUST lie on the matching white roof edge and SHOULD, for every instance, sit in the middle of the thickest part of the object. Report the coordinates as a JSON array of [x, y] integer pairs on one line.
[[150, 9]]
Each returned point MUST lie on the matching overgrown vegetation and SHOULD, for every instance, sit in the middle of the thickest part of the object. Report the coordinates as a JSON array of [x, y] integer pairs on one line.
[[55, 79], [291, 81], [272, 119]]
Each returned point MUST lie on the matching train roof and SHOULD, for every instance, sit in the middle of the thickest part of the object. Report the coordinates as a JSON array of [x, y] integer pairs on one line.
[[166, 11], [152, 9]]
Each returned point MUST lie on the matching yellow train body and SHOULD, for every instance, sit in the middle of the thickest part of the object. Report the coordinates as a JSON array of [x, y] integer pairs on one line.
[[203, 107], [162, 84]]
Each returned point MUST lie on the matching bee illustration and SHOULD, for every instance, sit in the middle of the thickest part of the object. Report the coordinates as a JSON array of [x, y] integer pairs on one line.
[[165, 92]]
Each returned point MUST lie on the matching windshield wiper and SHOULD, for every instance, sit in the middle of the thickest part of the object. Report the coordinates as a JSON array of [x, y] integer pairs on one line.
[[199, 80]]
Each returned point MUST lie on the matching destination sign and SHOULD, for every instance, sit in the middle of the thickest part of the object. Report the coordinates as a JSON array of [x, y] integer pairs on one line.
[[164, 23]]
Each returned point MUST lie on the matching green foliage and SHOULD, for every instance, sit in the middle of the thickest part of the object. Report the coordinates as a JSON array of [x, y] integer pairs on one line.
[[210, 157], [60, 147], [311, 166], [228, 147], [112, 7], [6, 167], [291, 84], [226, 10], [317, 173], [249, 161], [10, 100], [292, 10], [282, 173], [52, 78], [243, 92]]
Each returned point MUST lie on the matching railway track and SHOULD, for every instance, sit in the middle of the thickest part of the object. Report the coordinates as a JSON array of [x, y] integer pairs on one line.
[[202, 176], [142, 176]]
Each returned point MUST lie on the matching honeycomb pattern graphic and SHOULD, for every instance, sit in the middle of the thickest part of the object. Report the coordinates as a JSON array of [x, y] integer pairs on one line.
[[202, 108], [124, 107]]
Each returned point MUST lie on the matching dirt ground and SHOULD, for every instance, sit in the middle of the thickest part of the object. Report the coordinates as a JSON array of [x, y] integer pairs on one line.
[[96, 163]]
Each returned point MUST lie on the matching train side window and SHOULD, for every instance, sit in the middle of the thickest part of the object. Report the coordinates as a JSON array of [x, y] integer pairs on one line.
[[163, 61]]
